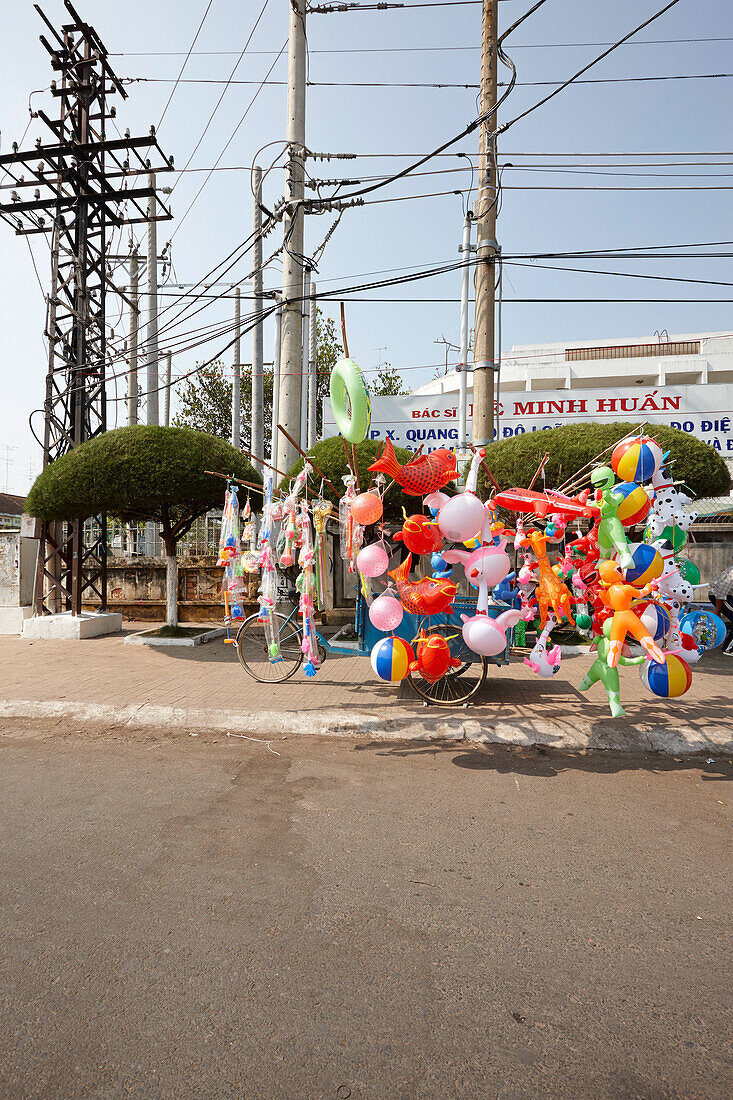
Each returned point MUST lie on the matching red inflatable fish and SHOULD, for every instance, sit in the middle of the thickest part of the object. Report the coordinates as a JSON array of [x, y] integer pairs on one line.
[[426, 474], [420, 535], [426, 597], [433, 658]]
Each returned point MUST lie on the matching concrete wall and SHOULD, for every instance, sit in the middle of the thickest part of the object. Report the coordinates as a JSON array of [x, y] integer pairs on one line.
[[136, 587]]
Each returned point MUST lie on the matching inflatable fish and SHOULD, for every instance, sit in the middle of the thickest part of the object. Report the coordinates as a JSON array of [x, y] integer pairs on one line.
[[433, 658], [423, 475], [426, 597], [420, 535]]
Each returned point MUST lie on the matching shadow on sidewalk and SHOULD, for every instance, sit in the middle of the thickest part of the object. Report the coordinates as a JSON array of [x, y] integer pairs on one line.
[[548, 763]]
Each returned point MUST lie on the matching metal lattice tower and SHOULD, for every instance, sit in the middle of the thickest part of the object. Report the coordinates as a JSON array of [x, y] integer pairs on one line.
[[84, 185]]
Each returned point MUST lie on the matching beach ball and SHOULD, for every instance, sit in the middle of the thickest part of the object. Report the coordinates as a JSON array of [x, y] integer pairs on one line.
[[367, 508], [386, 613], [636, 504], [461, 517], [372, 560], [669, 680], [688, 570], [673, 534], [391, 659], [655, 618], [636, 459], [648, 564], [707, 629]]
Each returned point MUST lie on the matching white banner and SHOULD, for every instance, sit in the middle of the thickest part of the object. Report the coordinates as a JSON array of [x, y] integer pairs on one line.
[[431, 420]]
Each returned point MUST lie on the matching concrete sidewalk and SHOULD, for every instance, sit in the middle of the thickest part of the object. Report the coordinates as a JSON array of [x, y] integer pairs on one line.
[[103, 683]]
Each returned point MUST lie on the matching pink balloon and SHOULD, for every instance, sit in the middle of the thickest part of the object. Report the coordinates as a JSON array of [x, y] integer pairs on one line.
[[372, 560], [386, 613]]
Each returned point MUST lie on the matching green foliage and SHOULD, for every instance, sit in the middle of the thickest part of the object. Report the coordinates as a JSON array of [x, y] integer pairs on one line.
[[139, 473], [513, 462], [330, 456], [205, 399], [388, 382]]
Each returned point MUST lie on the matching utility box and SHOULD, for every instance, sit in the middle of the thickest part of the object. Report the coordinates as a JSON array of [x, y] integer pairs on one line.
[[18, 564]]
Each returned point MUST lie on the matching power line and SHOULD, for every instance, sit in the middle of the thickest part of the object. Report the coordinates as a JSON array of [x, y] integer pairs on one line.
[[428, 49], [224, 90], [427, 84], [183, 66]]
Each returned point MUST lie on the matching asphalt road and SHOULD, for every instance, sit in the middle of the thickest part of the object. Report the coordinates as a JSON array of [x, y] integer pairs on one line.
[[198, 917]]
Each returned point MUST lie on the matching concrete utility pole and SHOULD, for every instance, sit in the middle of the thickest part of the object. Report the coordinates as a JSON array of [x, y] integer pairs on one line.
[[276, 384], [313, 371], [257, 438], [151, 335], [304, 368], [292, 317], [465, 327], [484, 356], [167, 390], [132, 386], [237, 378]]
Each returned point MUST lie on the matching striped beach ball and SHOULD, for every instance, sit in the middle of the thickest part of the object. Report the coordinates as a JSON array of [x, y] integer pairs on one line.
[[648, 564], [636, 459], [636, 504], [669, 680], [391, 658], [655, 618]]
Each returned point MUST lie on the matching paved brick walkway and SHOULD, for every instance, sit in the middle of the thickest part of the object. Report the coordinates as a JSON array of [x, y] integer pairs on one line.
[[515, 705]]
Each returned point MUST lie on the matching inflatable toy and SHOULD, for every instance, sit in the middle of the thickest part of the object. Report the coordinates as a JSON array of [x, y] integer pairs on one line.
[[688, 570], [366, 508], [306, 585], [440, 566], [541, 504], [461, 518], [635, 505], [551, 591], [648, 564], [386, 612], [372, 560], [601, 670], [420, 535], [636, 459], [391, 659], [611, 536], [433, 658], [425, 597], [487, 636], [707, 629], [675, 536], [655, 618], [669, 507], [543, 661], [668, 680], [619, 597], [347, 383], [423, 475]]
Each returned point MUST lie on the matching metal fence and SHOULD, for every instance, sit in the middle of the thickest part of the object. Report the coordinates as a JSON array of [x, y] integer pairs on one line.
[[130, 540]]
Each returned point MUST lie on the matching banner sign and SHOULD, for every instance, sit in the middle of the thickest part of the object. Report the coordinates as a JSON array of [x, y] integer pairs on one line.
[[431, 420]]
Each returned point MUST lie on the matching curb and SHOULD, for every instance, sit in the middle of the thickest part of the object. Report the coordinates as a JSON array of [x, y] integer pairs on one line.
[[399, 724]]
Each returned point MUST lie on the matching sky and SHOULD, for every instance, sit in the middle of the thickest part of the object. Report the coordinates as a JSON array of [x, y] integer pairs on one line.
[[652, 122]]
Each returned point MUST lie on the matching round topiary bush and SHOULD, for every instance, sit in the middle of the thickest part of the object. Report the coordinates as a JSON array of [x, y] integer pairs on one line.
[[513, 462], [138, 473], [329, 456]]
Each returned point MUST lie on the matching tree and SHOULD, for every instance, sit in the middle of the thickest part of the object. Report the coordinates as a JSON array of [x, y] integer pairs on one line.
[[388, 382], [205, 400], [330, 456], [513, 462], [141, 473]]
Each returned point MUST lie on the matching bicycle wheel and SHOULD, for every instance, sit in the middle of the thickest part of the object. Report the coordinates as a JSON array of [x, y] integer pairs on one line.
[[459, 685], [253, 652]]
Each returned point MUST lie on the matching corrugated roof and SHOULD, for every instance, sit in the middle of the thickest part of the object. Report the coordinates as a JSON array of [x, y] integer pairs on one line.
[[10, 505]]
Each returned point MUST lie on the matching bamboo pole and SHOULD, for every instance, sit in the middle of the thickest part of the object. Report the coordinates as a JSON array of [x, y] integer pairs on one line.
[[309, 460]]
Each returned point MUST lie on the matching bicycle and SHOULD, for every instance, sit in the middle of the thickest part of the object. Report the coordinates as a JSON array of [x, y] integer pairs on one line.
[[456, 688]]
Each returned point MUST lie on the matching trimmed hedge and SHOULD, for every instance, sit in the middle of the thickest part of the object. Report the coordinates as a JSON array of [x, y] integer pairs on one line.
[[134, 473], [330, 456], [513, 462]]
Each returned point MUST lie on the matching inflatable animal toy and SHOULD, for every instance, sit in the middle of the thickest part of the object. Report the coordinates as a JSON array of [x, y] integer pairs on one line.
[[551, 591], [420, 535], [433, 657], [543, 661], [422, 475], [425, 597]]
